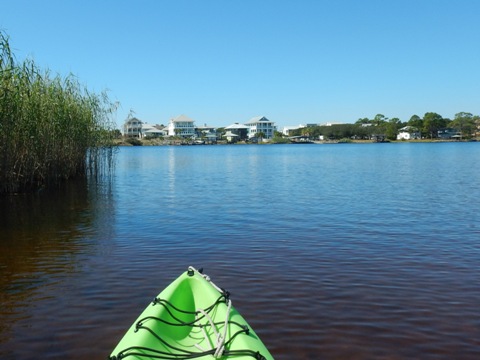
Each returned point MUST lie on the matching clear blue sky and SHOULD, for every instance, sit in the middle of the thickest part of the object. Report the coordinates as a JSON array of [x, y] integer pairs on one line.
[[220, 61]]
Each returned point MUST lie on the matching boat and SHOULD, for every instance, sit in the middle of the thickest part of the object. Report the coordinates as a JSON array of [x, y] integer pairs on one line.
[[192, 318]]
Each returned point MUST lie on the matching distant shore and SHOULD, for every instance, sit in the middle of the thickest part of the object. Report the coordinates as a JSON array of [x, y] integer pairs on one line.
[[177, 142]]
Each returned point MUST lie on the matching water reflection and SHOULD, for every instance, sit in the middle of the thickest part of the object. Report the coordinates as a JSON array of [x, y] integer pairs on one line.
[[43, 237], [330, 252]]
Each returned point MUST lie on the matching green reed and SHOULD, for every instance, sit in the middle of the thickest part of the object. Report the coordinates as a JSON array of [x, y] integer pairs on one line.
[[51, 128]]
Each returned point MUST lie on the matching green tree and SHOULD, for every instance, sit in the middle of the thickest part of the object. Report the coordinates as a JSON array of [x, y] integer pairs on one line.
[[116, 134], [362, 132], [464, 123], [392, 127], [379, 119], [306, 131], [220, 132], [415, 121], [362, 121], [432, 122]]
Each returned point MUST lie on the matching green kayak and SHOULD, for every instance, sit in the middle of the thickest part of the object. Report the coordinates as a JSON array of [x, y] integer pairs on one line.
[[191, 319]]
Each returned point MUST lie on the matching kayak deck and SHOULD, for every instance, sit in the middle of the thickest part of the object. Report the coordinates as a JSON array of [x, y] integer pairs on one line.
[[191, 319]]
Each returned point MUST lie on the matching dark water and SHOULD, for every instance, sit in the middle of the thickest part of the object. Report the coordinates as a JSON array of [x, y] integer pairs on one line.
[[329, 251]]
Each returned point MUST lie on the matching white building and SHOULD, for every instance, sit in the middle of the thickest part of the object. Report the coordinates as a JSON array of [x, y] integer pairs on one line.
[[153, 130], [261, 124], [132, 127], [239, 131], [181, 126], [408, 133]]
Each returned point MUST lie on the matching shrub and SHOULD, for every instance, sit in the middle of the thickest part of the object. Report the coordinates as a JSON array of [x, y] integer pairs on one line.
[[134, 141]]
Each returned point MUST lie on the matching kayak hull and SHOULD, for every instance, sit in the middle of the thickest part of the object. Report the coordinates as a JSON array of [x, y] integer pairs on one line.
[[191, 318]]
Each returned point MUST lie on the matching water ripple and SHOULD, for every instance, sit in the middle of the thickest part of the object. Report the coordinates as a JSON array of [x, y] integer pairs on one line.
[[330, 252]]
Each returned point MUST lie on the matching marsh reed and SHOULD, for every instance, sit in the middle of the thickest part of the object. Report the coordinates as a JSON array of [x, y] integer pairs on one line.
[[51, 128]]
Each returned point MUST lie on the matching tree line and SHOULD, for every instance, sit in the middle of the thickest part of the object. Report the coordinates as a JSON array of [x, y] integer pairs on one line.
[[465, 123]]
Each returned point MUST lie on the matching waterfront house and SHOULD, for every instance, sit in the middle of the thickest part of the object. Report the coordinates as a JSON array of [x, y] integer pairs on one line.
[[378, 137], [181, 126], [261, 124], [206, 134], [408, 133], [202, 131], [153, 130], [132, 128], [231, 137], [237, 131], [211, 138], [448, 133]]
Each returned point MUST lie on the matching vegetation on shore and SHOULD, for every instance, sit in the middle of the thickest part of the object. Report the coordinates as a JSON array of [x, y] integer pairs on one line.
[[51, 128], [466, 124], [431, 128]]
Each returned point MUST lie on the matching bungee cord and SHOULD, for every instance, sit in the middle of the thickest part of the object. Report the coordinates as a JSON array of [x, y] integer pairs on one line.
[[203, 320]]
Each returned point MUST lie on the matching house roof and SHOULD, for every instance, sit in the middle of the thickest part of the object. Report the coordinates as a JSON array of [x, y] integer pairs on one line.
[[258, 119], [182, 118], [408, 128], [236, 126], [147, 126], [230, 134]]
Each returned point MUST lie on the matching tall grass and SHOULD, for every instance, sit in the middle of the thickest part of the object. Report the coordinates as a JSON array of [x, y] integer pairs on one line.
[[51, 128]]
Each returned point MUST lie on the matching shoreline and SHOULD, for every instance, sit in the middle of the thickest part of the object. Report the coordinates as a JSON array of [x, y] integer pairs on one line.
[[163, 142]]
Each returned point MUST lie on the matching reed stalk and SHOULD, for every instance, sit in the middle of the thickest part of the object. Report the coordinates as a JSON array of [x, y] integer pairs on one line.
[[51, 128]]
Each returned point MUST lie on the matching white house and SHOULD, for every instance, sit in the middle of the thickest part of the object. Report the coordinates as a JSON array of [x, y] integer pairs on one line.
[[261, 124], [238, 131], [181, 126], [153, 130], [408, 133], [449, 134], [204, 130], [231, 136], [132, 127]]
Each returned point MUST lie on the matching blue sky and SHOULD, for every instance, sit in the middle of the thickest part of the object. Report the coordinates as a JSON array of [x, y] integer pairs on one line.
[[221, 61]]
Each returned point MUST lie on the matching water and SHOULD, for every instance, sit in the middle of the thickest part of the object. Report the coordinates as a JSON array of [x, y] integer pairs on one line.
[[368, 251]]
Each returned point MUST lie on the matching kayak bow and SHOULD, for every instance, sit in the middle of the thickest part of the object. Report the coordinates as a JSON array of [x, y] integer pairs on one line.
[[191, 319]]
